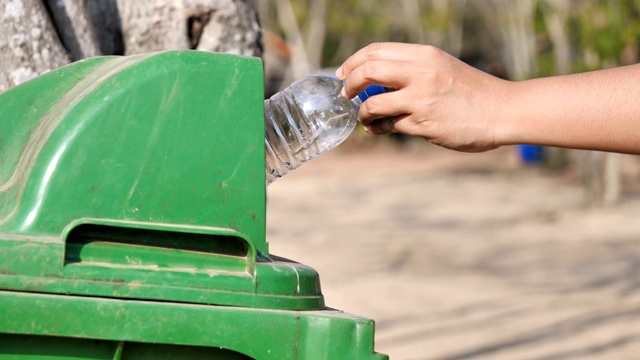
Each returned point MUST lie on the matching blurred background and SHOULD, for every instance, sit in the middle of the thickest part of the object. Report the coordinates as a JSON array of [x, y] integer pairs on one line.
[[455, 256], [515, 40], [466, 256]]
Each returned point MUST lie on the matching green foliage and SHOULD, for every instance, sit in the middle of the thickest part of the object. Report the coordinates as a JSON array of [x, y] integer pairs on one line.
[[605, 32], [600, 33]]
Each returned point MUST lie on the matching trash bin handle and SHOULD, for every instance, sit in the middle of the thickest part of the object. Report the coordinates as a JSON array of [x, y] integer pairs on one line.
[[145, 245]]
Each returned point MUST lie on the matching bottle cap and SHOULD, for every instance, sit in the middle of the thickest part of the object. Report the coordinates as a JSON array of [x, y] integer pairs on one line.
[[371, 91]]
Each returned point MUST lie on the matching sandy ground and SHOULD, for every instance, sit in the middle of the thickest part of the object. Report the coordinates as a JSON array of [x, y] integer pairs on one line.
[[464, 256]]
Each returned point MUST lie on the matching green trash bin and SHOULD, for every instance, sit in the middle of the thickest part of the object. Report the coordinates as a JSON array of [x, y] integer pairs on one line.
[[132, 220]]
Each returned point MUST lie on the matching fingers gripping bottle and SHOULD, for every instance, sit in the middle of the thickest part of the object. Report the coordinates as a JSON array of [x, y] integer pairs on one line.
[[308, 118]]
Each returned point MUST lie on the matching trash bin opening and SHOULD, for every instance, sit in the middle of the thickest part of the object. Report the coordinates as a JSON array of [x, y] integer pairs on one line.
[[135, 246]]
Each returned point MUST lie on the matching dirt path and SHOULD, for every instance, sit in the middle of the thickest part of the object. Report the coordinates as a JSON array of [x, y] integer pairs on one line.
[[464, 256]]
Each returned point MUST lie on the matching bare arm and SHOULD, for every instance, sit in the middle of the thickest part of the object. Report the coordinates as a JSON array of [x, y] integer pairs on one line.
[[451, 104], [597, 110]]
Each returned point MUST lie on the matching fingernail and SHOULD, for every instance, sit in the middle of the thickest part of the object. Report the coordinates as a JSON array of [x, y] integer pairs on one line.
[[343, 92], [339, 72], [368, 129]]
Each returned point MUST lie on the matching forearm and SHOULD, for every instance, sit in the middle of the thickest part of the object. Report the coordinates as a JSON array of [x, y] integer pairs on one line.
[[597, 110]]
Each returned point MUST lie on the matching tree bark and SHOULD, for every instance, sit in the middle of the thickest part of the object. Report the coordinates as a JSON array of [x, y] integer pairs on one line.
[[39, 35], [209, 25], [73, 24], [29, 45]]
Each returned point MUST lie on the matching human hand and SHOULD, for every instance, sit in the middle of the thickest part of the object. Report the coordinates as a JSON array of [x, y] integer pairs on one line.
[[436, 96]]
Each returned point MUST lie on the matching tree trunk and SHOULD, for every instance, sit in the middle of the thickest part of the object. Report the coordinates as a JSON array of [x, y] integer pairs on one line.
[[39, 35], [299, 65], [316, 32], [219, 26], [73, 24], [601, 176], [601, 172], [518, 50], [29, 45]]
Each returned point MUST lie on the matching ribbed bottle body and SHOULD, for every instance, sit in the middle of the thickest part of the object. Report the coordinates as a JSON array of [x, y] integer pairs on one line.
[[307, 119]]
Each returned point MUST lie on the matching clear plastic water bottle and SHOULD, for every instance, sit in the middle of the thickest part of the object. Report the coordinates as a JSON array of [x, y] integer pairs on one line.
[[308, 118]]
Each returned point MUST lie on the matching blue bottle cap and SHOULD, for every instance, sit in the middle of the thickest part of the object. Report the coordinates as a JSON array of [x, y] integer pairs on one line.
[[371, 91]]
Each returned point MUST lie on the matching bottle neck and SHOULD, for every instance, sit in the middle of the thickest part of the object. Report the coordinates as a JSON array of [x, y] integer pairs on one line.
[[357, 102], [365, 94]]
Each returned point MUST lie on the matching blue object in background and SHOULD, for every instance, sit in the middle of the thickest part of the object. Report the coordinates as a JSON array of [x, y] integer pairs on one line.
[[530, 153]]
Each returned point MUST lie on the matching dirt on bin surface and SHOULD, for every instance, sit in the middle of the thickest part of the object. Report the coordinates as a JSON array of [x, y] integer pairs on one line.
[[464, 256]]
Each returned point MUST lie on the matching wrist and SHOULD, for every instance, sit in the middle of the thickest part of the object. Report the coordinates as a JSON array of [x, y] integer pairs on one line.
[[507, 124]]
